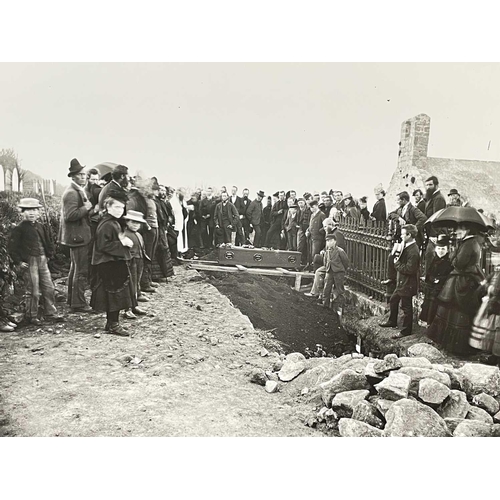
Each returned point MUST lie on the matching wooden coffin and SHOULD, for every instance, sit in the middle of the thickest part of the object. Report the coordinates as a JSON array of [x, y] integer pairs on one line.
[[256, 257]]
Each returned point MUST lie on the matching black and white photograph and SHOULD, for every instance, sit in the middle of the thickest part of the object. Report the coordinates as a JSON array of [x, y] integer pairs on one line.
[[238, 247]]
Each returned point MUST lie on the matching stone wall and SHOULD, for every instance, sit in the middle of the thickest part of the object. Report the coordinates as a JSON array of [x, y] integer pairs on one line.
[[476, 180]]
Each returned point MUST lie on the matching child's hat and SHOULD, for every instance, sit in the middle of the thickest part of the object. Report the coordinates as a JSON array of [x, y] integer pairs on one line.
[[29, 203], [135, 216], [442, 240]]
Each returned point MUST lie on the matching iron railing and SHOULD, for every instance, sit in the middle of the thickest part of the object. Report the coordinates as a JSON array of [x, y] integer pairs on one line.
[[368, 248]]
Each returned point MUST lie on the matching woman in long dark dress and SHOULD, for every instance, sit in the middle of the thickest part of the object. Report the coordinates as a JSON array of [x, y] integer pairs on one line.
[[458, 301], [113, 290], [485, 333], [437, 273]]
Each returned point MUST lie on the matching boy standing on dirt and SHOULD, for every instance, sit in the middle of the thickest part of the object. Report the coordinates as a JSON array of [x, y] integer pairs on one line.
[[336, 263], [138, 254], [30, 246]]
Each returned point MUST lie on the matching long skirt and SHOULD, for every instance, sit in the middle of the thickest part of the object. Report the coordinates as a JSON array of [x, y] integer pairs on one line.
[[162, 261], [114, 289], [485, 333], [451, 329], [430, 303]]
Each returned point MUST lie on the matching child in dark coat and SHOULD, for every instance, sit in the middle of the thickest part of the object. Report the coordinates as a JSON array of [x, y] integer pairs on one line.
[[114, 289], [30, 247], [138, 254], [437, 272]]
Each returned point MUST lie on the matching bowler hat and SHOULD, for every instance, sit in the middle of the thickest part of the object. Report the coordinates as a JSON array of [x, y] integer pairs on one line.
[[346, 196], [313, 203], [75, 167], [135, 216], [261, 194], [29, 203], [453, 191]]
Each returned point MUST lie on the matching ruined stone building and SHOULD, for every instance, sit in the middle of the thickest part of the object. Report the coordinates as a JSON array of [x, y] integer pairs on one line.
[[477, 181]]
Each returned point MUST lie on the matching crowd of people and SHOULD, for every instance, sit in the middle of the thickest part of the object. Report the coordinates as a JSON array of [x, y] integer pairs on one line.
[[125, 234]]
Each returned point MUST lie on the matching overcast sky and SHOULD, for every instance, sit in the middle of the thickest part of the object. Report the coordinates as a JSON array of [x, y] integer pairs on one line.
[[263, 126]]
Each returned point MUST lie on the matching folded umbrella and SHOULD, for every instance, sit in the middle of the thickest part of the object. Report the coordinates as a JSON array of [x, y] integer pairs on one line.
[[454, 216]]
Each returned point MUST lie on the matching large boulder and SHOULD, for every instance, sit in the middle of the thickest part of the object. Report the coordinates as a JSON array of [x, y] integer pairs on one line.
[[425, 351], [319, 370], [344, 402], [432, 392], [481, 378], [473, 428], [389, 363], [415, 362], [367, 412], [486, 402], [394, 387], [479, 415], [417, 374], [455, 406], [294, 364], [406, 418], [347, 380], [355, 428]]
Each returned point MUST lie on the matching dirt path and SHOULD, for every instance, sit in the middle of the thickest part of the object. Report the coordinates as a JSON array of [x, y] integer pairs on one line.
[[196, 352]]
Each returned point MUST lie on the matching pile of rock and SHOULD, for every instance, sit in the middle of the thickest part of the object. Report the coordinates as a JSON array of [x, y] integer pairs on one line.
[[395, 396]]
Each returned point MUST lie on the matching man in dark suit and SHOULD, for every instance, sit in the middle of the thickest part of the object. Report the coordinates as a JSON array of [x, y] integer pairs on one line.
[[408, 214], [236, 201], [434, 201], [116, 188], [315, 232], [379, 212], [254, 217], [75, 233], [278, 212], [244, 204], [407, 266], [304, 219], [265, 222], [207, 212], [226, 219]]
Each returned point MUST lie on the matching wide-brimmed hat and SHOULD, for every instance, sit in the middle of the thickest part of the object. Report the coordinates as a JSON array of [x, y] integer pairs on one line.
[[346, 196], [453, 191], [261, 194], [135, 216], [379, 189], [29, 203], [313, 203], [75, 167]]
